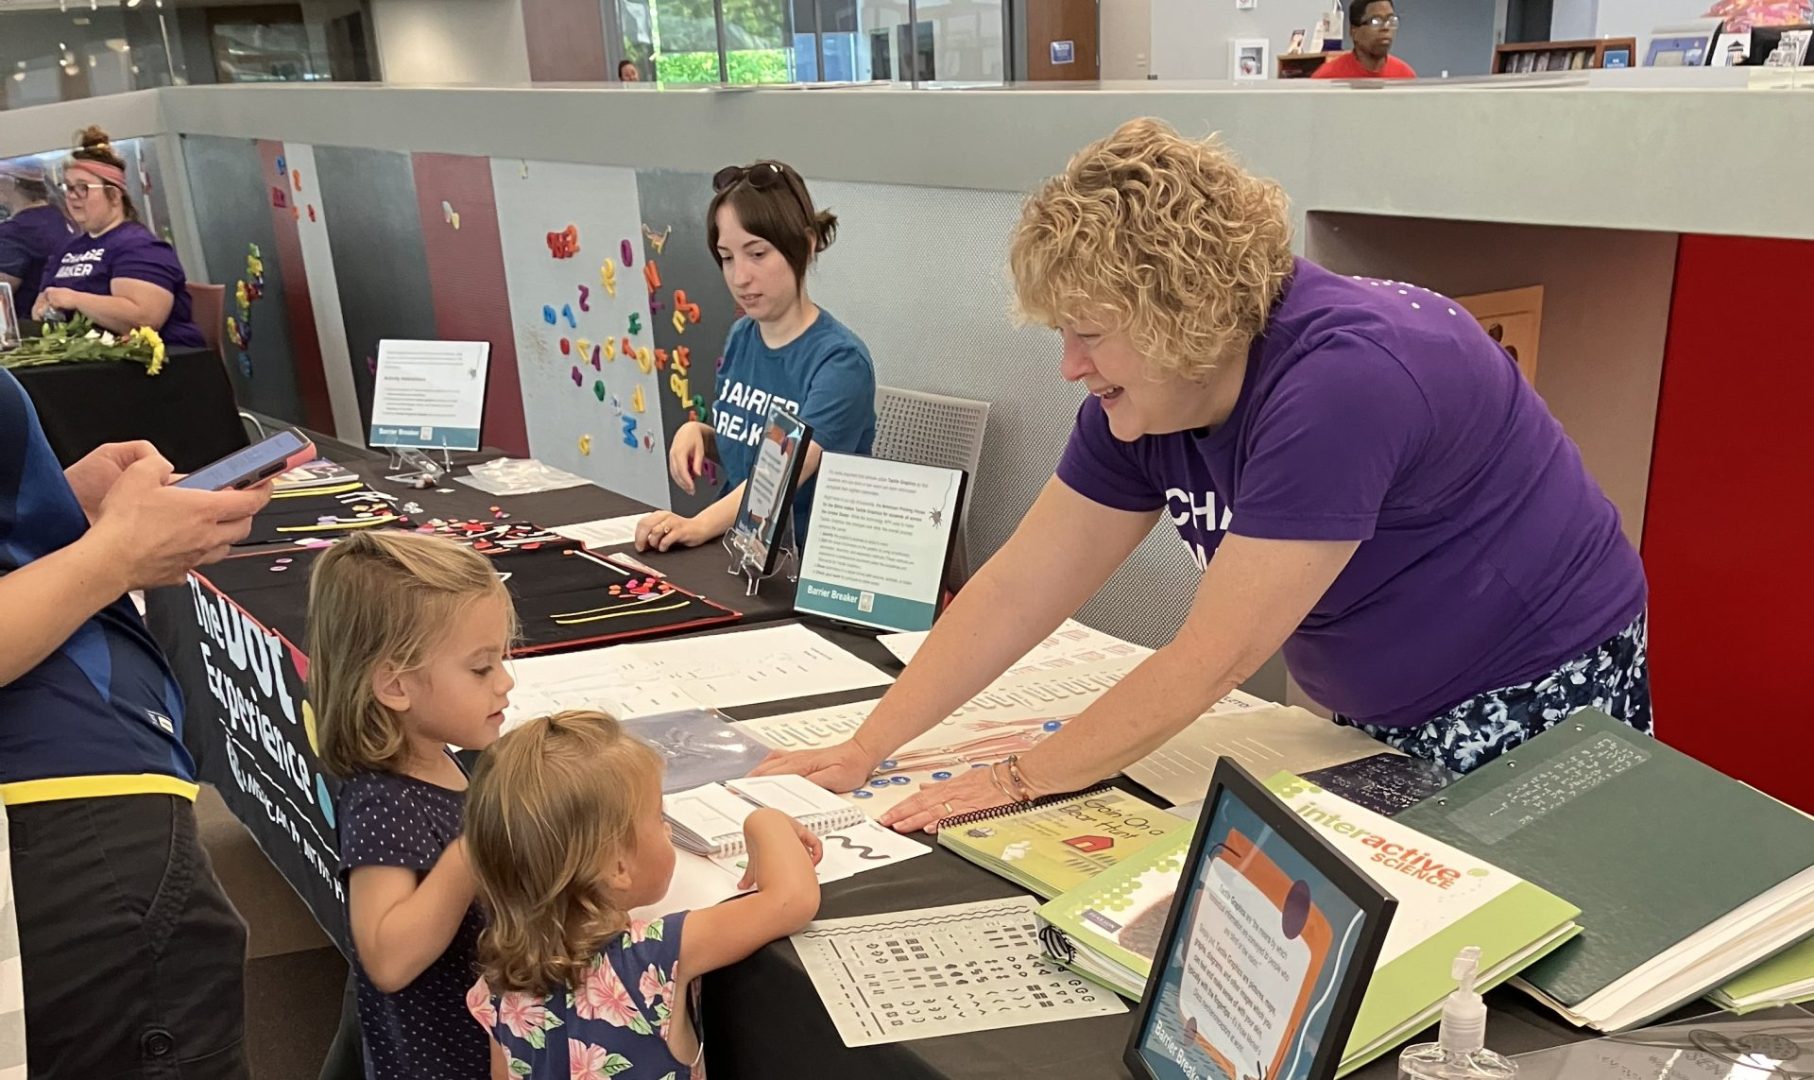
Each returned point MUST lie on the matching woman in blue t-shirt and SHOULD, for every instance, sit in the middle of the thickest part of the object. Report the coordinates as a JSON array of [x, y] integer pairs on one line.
[[1359, 474], [33, 231], [115, 270], [786, 351]]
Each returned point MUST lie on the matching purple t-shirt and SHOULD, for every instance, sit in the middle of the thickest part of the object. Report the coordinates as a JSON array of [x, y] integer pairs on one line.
[[27, 241], [1381, 412], [128, 250]]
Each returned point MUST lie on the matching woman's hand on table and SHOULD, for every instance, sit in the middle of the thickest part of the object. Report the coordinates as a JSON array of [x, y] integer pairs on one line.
[[840, 768], [964, 793], [665, 530], [686, 458]]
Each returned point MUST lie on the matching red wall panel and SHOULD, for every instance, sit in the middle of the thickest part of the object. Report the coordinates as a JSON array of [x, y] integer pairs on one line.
[[1729, 526], [466, 276], [305, 341]]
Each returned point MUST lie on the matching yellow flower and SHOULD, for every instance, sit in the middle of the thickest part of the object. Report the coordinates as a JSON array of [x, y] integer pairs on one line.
[[148, 336]]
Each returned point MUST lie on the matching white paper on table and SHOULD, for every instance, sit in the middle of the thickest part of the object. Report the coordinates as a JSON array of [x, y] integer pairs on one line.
[[1007, 718], [701, 882], [1265, 738], [1070, 645], [942, 971], [721, 672], [847, 852], [603, 533]]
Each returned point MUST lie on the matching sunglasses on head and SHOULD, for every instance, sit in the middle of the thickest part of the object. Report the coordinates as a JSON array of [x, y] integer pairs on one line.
[[763, 176]]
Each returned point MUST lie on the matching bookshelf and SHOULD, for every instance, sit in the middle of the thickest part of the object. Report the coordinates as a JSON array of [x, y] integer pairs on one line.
[[1300, 65], [1530, 56]]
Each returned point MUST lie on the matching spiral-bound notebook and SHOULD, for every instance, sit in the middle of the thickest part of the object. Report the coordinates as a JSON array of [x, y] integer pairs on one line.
[[1055, 844], [708, 820]]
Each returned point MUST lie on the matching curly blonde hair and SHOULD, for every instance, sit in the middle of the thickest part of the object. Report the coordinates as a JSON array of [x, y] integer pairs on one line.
[[549, 805], [380, 598], [1166, 238]]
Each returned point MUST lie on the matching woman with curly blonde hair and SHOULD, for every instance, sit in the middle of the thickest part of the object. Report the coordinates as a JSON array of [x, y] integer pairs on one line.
[[1359, 470]]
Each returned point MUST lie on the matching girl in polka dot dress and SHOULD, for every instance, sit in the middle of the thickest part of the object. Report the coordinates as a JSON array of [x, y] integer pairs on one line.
[[407, 636], [566, 837]]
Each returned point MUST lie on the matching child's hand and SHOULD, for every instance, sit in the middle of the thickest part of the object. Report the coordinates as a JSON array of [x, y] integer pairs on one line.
[[764, 818]]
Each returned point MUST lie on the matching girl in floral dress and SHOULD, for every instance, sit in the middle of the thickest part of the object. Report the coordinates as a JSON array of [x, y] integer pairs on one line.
[[566, 837]]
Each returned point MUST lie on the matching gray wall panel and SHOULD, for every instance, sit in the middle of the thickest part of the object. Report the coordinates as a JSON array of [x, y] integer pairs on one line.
[[678, 200], [379, 260], [226, 178]]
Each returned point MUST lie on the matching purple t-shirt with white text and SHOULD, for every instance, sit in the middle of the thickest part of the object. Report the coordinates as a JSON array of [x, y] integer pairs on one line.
[[1381, 412], [128, 250], [28, 239]]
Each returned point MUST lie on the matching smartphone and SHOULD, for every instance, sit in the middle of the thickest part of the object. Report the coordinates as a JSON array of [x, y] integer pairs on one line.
[[256, 463]]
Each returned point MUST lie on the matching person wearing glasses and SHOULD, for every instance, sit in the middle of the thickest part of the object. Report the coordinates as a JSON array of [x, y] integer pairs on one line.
[[33, 231], [785, 351], [114, 270], [1373, 24], [1360, 475]]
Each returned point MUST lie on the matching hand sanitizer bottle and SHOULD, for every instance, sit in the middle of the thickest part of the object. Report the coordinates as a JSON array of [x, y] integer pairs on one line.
[[1460, 1051]]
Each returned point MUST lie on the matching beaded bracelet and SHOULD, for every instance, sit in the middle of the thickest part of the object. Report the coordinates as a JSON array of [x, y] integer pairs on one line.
[[1020, 782]]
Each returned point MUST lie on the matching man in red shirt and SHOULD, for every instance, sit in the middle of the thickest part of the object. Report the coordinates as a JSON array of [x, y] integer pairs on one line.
[[1373, 24]]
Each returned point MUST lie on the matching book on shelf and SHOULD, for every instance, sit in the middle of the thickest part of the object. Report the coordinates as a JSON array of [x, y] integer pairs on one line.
[[1058, 843], [1447, 899], [1686, 877]]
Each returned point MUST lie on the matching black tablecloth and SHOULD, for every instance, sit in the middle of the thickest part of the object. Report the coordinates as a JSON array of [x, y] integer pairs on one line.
[[247, 722], [762, 1017], [186, 410]]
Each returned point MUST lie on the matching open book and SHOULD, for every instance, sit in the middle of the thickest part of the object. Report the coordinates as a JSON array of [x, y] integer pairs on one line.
[[708, 820], [1059, 842]]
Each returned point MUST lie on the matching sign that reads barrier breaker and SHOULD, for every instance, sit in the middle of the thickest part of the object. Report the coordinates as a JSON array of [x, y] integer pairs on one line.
[[257, 722]]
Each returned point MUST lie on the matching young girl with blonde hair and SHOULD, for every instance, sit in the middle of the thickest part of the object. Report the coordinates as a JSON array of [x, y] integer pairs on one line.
[[407, 638], [566, 837]]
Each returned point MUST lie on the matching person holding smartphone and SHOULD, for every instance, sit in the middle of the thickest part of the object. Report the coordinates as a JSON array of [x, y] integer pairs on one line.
[[132, 958]]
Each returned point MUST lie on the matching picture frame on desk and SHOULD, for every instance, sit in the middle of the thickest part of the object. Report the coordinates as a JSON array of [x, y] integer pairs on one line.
[[1297, 43], [1686, 44], [1253, 863]]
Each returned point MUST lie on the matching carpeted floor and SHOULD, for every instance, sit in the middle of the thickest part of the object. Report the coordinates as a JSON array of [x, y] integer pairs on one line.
[[295, 978]]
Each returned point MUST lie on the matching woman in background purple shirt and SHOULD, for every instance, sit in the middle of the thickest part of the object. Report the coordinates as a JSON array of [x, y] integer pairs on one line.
[[1360, 471], [115, 270], [31, 234]]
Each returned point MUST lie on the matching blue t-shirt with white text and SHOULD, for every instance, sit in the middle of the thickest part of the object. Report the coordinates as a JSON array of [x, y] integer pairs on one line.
[[105, 703], [824, 376]]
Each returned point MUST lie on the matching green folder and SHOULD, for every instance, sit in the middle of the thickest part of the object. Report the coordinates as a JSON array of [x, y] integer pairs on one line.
[[1785, 979], [1685, 877]]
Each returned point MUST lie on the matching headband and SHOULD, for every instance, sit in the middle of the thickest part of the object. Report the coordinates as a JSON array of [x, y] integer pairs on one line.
[[111, 174]]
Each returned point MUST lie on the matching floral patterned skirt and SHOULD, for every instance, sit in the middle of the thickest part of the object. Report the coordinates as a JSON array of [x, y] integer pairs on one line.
[[1614, 678]]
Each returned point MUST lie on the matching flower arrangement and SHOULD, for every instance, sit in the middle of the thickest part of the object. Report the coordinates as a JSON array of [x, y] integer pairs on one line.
[[80, 340]]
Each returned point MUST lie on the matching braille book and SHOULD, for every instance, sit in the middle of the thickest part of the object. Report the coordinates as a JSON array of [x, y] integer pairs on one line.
[[1056, 844]]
